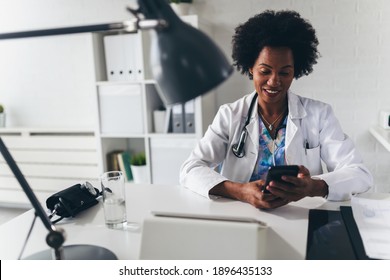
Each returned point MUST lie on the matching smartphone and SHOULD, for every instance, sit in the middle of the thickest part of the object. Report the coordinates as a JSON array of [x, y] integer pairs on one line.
[[275, 173]]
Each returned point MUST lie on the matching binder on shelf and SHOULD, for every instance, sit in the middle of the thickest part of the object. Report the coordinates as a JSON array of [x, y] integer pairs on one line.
[[113, 49], [138, 57], [112, 160], [121, 164], [124, 164], [189, 116], [124, 57], [178, 118], [168, 120], [129, 53], [119, 160]]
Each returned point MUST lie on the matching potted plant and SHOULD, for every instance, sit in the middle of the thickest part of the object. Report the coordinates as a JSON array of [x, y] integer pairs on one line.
[[2, 116], [181, 7], [139, 168]]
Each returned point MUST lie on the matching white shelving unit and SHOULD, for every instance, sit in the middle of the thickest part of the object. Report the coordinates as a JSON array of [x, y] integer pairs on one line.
[[125, 114], [51, 159], [381, 135]]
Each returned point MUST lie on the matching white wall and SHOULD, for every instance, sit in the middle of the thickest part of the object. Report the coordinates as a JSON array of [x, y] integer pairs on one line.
[[50, 81], [351, 74]]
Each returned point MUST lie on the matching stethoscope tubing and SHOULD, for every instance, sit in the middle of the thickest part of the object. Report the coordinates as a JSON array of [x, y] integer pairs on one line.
[[238, 149]]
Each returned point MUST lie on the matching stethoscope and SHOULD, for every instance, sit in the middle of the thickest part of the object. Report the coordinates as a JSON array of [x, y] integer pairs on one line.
[[238, 148]]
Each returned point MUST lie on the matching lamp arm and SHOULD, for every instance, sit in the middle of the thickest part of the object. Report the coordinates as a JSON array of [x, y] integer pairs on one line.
[[55, 237], [27, 189], [125, 26]]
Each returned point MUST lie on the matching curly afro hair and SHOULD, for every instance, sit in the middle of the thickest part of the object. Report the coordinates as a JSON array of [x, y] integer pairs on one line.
[[275, 29]]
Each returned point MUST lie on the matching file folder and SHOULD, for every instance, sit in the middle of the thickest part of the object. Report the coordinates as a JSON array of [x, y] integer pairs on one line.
[[189, 116], [113, 50], [168, 120], [138, 57], [178, 118], [124, 57], [129, 53]]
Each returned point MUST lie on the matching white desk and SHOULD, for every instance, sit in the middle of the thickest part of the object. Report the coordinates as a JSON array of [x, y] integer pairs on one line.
[[288, 224]]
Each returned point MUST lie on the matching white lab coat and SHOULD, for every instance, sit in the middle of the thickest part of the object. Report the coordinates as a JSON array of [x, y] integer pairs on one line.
[[308, 120]]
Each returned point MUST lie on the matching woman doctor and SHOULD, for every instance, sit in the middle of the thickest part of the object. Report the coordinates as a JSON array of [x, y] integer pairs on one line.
[[279, 128]]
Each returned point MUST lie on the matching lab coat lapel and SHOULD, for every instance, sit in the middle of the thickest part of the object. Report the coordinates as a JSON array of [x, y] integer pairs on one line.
[[251, 148], [253, 129], [294, 139]]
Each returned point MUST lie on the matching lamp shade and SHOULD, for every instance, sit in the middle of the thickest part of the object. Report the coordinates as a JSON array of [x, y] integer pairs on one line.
[[185, 62]]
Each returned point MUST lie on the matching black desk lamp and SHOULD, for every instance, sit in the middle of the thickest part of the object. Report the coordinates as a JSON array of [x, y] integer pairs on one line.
[[185, 64]]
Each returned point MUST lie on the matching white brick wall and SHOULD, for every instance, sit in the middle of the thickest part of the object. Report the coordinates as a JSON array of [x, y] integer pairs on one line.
[[352, 73]]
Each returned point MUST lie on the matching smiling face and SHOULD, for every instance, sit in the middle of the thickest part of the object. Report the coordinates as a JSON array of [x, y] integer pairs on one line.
[[273, 73]]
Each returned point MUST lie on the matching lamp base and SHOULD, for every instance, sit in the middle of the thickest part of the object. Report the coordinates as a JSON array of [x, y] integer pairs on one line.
[[77, 252]]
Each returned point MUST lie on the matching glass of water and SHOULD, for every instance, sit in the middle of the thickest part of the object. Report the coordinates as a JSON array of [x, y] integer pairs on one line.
[[114, 202]]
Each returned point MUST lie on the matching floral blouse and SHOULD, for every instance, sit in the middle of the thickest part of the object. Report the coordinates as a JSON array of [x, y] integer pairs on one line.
[[269, 150]]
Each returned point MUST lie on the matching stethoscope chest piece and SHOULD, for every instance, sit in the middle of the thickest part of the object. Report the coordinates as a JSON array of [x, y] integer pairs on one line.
[[238, 148], [237, 152]]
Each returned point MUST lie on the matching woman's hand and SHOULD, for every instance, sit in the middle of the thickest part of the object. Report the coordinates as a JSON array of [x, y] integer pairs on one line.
[[250, 193], [281, 192], [296, 188]]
